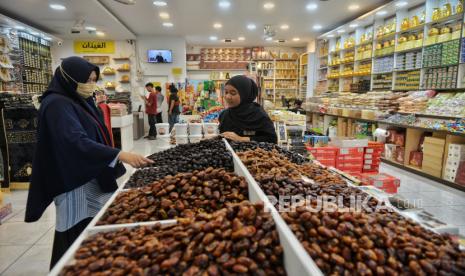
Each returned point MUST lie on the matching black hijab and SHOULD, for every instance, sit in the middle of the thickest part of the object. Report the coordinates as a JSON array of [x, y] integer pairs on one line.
[[248, 115]]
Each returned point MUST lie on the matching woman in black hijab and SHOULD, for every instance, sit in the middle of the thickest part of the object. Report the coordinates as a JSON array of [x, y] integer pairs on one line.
[[244, 120], [75, 165]]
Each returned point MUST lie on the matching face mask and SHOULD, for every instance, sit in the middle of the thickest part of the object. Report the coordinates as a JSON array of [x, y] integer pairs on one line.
[[85, 90]]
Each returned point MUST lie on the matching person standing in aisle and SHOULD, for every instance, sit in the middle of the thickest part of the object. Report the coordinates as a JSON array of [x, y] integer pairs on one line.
[[173, 112], [244, 120], [160, 100], [75, 165], [151, 110]]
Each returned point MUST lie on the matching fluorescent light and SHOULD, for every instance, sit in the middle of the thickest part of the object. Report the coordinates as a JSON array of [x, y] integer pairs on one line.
[[341, 31], [168, 24], [330, 35], [47, 38], [251, 27], [241, 38], [354, 7], [213, 38], [34, 33], [217, 26], [317, 27], [57, 7], [268, 5], [401, 4], [19, 28], [100, 33], [224, 4], [269, 39], [90, 28], [284, 27], [381, 13], [296, 39], [312, 6], [164, 15], [159, 3], [353, 25]]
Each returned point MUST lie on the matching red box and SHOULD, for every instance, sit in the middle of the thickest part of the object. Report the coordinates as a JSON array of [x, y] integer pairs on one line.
[[323, 150], [385, 182], [416, 158], [399, 139], [374, 148], [372, 162], [350, 151], [365, 177], [375, 155], [328, 163], [460, 177], [350, 158]]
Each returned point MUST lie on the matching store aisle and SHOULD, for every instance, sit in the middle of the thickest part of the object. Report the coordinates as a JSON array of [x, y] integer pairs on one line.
[[25, 249]]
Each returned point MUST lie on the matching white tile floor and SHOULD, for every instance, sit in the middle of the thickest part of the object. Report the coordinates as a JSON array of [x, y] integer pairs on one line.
[[25, 249]]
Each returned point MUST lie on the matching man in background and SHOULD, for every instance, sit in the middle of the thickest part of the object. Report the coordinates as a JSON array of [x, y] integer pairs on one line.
[[160, 99], [151, 110]]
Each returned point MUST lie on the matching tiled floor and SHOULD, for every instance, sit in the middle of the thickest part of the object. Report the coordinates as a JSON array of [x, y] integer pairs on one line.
[[25, 249]]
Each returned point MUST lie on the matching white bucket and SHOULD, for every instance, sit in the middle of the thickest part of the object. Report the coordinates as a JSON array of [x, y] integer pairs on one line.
[[163, 141], [195, 129], [163, 129], [181, 129], [181, 140], [210, 129], [195, 138]]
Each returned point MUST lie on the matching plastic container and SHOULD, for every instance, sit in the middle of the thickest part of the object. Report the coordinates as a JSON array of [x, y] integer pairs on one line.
[[195, 138], [181, 140], [195, 129], [163, 129], [163, 141], [211, 136], [181, 130], [210, 129]]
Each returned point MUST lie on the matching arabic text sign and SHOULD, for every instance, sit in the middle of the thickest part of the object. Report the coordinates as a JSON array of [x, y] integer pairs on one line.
[[94, 47]]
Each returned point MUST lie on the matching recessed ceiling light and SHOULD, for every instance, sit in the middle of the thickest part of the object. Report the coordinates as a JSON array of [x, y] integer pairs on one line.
[[241, 38], [160, 3], [296, 39], [168, 24], [217, 26], [19, 28], [251, 27], [213, 38], [312, 6], [268, 5], [401, 4], [381, 13], [90, 28], [100, 33], [284, 27], [164, 15], [330, 35], [224, 4], [269, 39], [354, 7], [57, 7], [353, 25], [317, 27]]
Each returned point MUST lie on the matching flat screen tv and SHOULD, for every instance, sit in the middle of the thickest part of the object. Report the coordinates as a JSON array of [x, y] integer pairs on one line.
[[159, 56]]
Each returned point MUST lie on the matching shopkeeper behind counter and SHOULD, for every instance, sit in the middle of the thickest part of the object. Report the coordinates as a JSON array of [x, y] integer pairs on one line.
[[244, 120]]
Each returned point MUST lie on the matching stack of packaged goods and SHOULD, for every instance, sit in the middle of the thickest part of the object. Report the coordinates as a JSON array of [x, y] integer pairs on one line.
[[372, 157], [447, 104], [455, 164], [387, 101], [433, 154], [415, 102], [395, 146]]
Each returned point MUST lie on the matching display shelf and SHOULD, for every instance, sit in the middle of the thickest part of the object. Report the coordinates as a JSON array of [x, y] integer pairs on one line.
[[417, 49], [442, 42], [448, 19], [123, 70], [385, 55], [364, 43], [325, 56], [363, 60], [323, 68], [440, 66], [422, 173], [121, 58], [406, 70], [323, 80], [382, 73], [430, 116], [420, 27], [225, 70], [293, 69], [386, 36]]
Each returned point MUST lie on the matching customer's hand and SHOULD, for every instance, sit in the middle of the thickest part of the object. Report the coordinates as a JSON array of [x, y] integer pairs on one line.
[[234, 137], [135, 160]]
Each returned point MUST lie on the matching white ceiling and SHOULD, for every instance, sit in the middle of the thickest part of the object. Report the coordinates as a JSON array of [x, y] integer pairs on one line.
[[192, 19]]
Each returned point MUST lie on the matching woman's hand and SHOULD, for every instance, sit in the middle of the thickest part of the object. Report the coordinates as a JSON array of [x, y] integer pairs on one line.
[[234, 137], [135, 160]]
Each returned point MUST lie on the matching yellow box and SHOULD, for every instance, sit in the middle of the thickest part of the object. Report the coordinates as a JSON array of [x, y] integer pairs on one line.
[[367, 54], [432, 171], [346, 112], [409, 45], [456, 35], [418, 43], [432, 160], [368, 114], [400, 47], [435, 141], [431, 40], [444, 37]]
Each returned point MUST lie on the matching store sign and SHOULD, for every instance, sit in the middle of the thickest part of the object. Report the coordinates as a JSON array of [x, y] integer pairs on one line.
[[94, 47], [177, 71]]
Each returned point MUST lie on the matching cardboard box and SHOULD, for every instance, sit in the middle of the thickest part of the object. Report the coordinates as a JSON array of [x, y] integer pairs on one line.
[[376, 155], [385, 182], [372, 162], [457, 148], [453, 163], [460, 177], [433, 150], [350, 143], [434, 171], [416, 158], [432, 161], [435, 141], [390, 151], [351, 151]]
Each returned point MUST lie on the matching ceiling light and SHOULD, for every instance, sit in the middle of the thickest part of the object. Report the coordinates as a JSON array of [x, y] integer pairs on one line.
[[100, 33], [164, 15], [213, 38], [57, 7], [168, 24], [268, 5], [317, 27], [19, 28], [269, 38], [341, 31], [34, 33], [159, 3], [217, 26], [224, 4], [296, 39], [284, 27], [354, 7], [47, 38], [330, 35], [241, 38], [251, 27], [401, 4], [312, 6], [353, 25], [90, 28], [381, 13]]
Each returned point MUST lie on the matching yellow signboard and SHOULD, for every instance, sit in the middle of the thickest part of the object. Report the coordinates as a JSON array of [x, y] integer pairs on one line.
[[94, 47], [176, 71]]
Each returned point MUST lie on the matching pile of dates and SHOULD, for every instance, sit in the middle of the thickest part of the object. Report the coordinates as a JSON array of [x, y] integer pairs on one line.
[[183, 158], [378, 243], [290, 155], [237, 240], [183, 195]]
